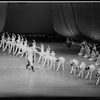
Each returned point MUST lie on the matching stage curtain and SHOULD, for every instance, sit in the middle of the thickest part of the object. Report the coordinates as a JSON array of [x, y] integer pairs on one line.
[[88, 19], [3, 13], [77, 19]]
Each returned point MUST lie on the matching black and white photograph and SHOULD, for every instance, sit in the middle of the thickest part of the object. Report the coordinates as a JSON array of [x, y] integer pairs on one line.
[[50, 49]]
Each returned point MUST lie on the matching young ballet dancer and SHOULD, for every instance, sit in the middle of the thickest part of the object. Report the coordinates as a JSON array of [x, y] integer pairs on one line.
[[30, 57], [3, 41], [81, 67], [93, 55], [81, 53], [46, 57], [53, 59], [34, 49], [87, 53], [41, 54], [60, 62], [98, 76], [17, 43], [74, 63], [20, 45], [24, 48], [90, 69], [13, 43], [8, 43]]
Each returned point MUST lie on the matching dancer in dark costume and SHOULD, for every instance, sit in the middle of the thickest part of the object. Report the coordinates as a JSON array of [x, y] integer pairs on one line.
[[30, 57], [68, 43], [30, 62]]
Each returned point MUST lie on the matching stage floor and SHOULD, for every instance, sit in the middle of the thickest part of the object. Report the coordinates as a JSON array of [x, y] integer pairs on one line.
[[15, 80]]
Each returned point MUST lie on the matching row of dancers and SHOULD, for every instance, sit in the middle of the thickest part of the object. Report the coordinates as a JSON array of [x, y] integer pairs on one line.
[[81, 66], [90, 51], [19, 46]]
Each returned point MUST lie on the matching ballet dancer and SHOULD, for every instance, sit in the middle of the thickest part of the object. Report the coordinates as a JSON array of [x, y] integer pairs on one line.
[[97, 63], [46, 57], [19, 46], [90, 69], [41, 54], [17, 43], [68, 43], [87, 49], [81, 67], [53, 59], [13, 43], [93, 55], [30, 57], [3, 41], [24, 48], [60, 62], [34, 49], [81, 53], [8, 43], [74, 64], [98, 76], [83, 43]]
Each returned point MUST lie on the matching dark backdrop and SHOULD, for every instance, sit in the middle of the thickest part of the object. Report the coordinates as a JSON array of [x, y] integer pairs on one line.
[[29, 18]]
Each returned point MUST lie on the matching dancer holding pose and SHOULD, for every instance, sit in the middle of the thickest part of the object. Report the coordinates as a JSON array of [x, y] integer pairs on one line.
[[3, 41], [81, 67], [53, 59], [90, 69], [30, 57], [8, 43], [41, 54], [46, 57], [74, 64], [98, 75], [17, 43], [13, 43], [60, 61]]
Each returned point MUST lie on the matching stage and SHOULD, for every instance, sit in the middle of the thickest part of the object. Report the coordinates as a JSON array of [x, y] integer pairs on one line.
[[15, 80]]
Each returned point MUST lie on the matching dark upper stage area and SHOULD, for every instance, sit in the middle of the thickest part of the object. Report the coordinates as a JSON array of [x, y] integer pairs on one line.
[[76, 20]]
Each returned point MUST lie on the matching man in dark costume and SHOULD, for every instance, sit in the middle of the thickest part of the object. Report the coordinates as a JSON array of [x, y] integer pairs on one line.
[[68, 43]]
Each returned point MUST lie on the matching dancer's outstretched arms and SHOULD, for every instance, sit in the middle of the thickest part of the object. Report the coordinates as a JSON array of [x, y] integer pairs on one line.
[[38, 47], [38, 53]]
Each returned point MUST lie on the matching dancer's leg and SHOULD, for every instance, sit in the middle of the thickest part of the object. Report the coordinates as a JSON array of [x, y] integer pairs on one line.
[[87, 74], [97, 80], [72, 69], [5, 47], [59, 64], [39, 59], [27, 64], [91, 75], [44, 63], [51, 64]]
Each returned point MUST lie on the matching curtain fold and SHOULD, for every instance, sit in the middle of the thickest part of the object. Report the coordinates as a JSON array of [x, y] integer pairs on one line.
[[77, 19], [3, 13]]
